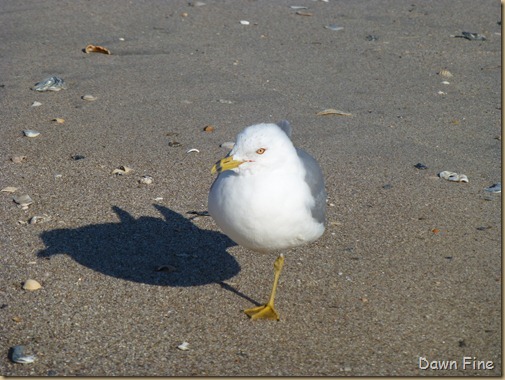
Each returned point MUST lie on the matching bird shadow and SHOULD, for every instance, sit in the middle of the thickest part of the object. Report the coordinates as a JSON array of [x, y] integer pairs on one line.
[[170, 252]]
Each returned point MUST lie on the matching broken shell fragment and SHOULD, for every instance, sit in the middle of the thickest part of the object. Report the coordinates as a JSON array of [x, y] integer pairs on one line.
[[334, 27], [31, 133], [18, 159], [9, 189], [89, 98], [53, 83], [59, 120], [496, 188], [445, 73], [208, 128], [23, 201], [146, 180], [298, 7], [454, 177], [184, 346], [122, 170], [96, 49], [17, 355], [303, 13], [39, 219], [36, 104], [331, 111], [244, 22], [472, 36], [193, 150], [31, 285]]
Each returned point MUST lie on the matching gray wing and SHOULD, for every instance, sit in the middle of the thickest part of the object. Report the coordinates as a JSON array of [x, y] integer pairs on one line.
[[286, 127], [315, 180]]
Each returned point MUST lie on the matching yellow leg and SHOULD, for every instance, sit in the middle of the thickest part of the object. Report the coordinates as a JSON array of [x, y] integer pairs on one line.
[[267, 311]]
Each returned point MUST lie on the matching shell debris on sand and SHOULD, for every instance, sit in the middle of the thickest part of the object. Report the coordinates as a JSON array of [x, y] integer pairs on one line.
[[331, 111], [89, 98], [495, 188], [31, 285], [31, 133], [36, 104], [18, 159], [39, 219], [184, 346], [445, 73], [122, 170], [23, 201], [16, 354], [9, 189], [454, 177], [96, 49], [58, 120], [53, 83], [146, 180]]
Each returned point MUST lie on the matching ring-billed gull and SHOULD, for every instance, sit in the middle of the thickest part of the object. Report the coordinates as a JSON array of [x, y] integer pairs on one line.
[[268, 196]]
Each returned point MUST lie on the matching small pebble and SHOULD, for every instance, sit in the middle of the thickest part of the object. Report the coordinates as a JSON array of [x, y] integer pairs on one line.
[[77, 157], [174, 144], [209, 128], [31, 285]]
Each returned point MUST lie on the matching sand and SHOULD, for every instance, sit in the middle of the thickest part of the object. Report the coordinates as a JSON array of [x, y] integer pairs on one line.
[[408, 271]]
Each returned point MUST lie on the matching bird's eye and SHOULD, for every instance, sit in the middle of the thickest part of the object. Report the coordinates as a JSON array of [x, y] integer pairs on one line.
[[261, 150]]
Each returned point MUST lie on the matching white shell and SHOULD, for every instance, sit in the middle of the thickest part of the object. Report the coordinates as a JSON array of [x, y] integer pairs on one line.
[[146, 179], [23, 200], [244, 22], [193, 150], [184, 346], [36, 104], [31, 285], [31, 133], [454, 177], [39, 219], [9, 189], [89, 98], [18, 356]]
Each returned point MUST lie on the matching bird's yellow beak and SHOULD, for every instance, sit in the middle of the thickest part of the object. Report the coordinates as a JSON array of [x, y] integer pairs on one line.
[[226, 163]]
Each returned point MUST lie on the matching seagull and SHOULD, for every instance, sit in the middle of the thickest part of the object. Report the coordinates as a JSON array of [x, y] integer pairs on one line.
[[268, 196]]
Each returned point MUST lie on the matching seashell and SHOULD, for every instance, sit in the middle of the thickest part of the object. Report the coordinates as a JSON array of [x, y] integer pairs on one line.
[[9, 189], [184, 346], [227, 145], [445, 82], [122, 170], [454, 177], [96, 49], [53, 83], [157, 199], [166, 269], [208, 128], [18, 159], [59, 120], [244, 22], [442, 93], [31, 133], [89, 98], [303, 13], [31, 285], [17, 355], [420, 166], [224, 101], [298, 7], [331, 111], [495, 188], [36, 104], [334, 27], [23, 201], [472, 36], [39, 219], [445, 73], [146, 179], [193, 150]]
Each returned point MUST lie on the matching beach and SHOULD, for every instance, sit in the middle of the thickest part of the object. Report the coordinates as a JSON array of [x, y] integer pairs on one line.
[[405, 281]]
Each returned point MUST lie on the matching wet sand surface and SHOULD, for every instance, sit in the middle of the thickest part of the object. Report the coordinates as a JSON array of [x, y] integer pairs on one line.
[[408, 271]]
